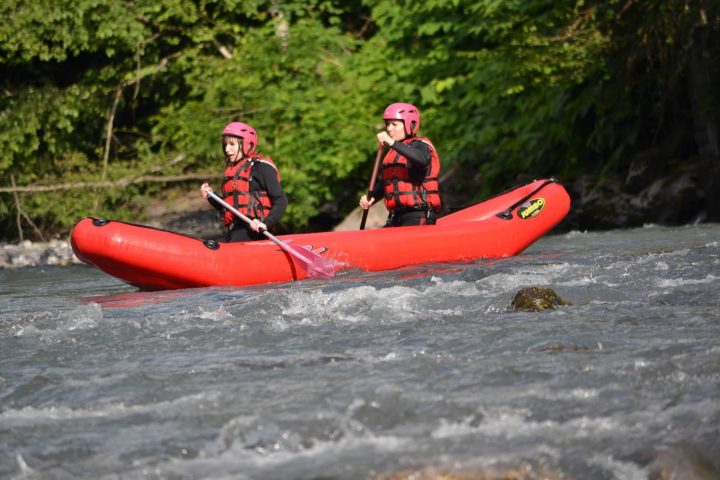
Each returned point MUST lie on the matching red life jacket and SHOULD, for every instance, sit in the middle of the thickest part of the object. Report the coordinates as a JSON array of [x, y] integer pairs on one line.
[[404, 187], [236, 189]]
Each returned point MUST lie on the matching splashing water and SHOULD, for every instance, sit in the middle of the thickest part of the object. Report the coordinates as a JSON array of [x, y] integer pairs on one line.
[[371, 372]]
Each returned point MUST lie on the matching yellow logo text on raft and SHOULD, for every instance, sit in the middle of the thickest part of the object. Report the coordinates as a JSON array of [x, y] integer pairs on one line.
[[531, 209]]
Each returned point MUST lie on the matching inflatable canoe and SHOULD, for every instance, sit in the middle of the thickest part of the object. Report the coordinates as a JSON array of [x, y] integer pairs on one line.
[[154, 259]]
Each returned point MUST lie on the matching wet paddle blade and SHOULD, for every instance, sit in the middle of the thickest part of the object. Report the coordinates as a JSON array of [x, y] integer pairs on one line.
[[315, 265]]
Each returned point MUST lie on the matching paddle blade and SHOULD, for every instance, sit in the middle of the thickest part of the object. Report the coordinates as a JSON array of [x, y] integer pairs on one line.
[[314, 264]]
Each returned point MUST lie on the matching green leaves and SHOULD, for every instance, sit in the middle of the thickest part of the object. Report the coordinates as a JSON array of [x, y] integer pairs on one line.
[[57, 31]]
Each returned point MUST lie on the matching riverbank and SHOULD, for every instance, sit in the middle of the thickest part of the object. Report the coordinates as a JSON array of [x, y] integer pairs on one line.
[[33, 254]]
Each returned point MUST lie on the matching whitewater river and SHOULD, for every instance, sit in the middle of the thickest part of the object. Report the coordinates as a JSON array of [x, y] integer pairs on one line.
[[422, 370]]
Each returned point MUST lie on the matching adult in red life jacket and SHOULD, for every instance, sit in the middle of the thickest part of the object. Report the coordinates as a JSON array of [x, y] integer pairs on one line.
[[410, 170], [251, 185]]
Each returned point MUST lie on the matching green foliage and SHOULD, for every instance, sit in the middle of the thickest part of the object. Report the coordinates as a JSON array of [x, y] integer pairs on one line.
[[541, 88], [66, 61], [506, 89], [502, 77], [294, 84]]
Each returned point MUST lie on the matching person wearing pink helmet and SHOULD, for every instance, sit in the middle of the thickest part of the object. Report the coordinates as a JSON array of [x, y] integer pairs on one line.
[[410, 170], [251, 185]]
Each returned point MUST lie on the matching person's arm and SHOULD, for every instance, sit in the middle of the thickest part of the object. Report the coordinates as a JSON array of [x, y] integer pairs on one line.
[[267, 178], [204, 188], [378, 192], [216, 205], [417, 152]]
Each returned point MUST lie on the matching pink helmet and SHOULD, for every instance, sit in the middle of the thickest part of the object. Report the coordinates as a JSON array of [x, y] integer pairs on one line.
[[406, 112], [244, 131]]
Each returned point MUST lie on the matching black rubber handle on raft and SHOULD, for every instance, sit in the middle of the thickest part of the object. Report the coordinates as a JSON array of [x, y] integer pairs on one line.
[[507, 214]]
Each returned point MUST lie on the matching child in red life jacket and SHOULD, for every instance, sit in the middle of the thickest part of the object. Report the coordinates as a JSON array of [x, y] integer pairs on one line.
[[410, 169], [251, 185]]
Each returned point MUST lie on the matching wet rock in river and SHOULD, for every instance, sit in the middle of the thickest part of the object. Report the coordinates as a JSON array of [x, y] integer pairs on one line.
[[522, 473], [534, 299], [564, 347], [682, 462]]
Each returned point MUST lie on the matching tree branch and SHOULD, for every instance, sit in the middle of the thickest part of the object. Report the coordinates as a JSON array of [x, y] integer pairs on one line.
[[109, 130], [123, 182], [17, 208], [224, 51], [21, 212]]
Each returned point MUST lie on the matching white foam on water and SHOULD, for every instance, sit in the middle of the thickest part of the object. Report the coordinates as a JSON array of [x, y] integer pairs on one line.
[[661, 266], [367, 304], [680, 282], [619, 469], [538, 275], [551, 392], [671, 255], [583, 281], [25, 472], [664, 417], [317, 307], [193, 321], [455, 429], [215, 315], [49, 325], [239, 458], [257, 444], [84, 317], [457, 288], [32, 416], [512, 424]]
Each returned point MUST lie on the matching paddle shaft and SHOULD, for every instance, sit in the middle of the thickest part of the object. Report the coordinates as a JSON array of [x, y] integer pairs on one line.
[[381, 147], [507, 213], [244, 218]]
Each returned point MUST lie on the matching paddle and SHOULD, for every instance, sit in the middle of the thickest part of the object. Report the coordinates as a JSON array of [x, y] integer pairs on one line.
[[381, 147], [314, 264]]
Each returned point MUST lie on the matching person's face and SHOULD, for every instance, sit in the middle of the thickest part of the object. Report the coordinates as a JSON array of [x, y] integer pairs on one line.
[[233, 150], [396, 129]]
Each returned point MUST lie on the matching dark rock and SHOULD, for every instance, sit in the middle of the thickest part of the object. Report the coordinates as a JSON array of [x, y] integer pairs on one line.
[[535, 299], [527, 472], [682, 462], [376, 218], [564, 347], [652, 163], [679, 195], [672, 200], [601, 204], [187, 213]]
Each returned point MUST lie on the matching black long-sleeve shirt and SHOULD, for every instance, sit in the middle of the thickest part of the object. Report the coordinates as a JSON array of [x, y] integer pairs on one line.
[[263, 177], [418, 154]]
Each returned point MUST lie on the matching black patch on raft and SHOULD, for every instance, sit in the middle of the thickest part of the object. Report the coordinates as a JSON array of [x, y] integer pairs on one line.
[[211, 244]]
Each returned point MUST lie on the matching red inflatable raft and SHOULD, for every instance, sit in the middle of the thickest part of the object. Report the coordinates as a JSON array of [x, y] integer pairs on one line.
[[154, 259]]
